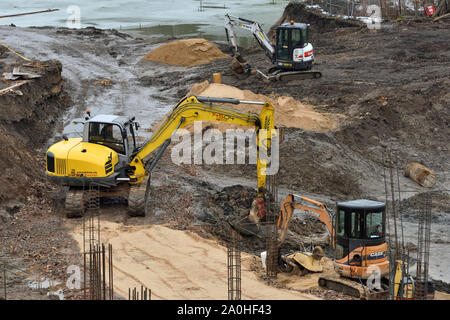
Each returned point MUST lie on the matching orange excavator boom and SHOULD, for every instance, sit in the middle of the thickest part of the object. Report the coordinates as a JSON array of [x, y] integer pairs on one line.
[[306, 205]]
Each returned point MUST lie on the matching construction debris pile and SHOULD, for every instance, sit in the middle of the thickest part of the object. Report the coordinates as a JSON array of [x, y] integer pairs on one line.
[[230, 207], [186, 53]]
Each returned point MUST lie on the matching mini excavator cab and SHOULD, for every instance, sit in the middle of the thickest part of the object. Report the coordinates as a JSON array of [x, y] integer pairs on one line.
[[293, 52], [360, 234]]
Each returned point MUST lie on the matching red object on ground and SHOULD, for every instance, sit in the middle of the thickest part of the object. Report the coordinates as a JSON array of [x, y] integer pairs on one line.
[[429, 10]]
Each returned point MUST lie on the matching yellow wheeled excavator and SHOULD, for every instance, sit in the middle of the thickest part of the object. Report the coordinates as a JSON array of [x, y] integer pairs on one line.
[[357, 235], [107, 154]]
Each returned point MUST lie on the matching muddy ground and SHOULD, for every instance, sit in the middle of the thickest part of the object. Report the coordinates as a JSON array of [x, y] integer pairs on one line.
[[391, 85]]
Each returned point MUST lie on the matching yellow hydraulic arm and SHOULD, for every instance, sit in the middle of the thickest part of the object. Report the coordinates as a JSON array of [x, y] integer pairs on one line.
[[309, 206], [193, 108]]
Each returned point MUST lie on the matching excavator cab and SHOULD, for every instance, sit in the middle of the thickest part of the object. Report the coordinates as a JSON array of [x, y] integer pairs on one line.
[[293, 52], [360, 239]]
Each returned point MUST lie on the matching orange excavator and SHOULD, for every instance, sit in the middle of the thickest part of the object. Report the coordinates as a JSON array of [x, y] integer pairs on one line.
[[357, 235]]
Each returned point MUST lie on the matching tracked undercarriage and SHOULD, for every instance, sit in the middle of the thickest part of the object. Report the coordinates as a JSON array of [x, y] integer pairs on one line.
[[354, 287], [136, 196]]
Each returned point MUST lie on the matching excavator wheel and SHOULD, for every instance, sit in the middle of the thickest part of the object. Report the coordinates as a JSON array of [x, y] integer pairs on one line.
[[137, 198], [74, 205]]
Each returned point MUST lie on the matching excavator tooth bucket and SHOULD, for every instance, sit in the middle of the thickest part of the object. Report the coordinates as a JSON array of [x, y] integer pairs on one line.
[[246, 227], [249, 226]]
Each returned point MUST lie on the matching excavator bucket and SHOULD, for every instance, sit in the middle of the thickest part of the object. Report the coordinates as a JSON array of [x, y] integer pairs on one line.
[[307, 261], [250, 224]]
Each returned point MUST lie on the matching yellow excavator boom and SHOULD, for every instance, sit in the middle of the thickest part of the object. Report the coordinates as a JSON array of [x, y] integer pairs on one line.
[[194, 108]]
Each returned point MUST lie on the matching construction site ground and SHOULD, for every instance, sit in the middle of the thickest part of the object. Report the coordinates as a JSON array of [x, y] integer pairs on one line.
[[384, 88]]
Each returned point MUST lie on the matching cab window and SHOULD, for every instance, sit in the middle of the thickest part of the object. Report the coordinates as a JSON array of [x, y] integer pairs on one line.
[[341, 223], [107, 134], [283, 44], [304, 37], [296, 38], [131, 139], [355, 225], [374, 224]]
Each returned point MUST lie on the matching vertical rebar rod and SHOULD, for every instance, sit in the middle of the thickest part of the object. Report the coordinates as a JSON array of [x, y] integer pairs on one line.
[[110, 269], [271, 228], [104, 271], [391, 264], [394, 213], [4, 279]]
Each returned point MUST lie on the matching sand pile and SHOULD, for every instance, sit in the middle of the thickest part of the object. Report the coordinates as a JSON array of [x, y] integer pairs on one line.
[[186, 53], [178, 265], [288, 111]]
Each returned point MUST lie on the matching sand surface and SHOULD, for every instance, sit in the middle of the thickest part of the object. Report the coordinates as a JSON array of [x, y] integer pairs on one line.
[[177, 265], [188, 52], [288, 111]]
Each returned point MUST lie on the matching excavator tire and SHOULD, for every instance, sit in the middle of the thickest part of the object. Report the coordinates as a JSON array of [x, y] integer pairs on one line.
[[137, 199], [74, 205]]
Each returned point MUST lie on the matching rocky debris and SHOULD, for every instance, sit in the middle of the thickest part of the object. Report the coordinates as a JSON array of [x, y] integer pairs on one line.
[[441, 286], [5, 217], [413, 205], [230, 207]]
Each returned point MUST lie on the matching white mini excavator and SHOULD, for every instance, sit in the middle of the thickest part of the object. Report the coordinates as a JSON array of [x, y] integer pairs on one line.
[[292, 55]]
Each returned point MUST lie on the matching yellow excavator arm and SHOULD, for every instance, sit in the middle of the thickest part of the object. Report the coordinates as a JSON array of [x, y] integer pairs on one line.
[[306, 205], [193, 108]]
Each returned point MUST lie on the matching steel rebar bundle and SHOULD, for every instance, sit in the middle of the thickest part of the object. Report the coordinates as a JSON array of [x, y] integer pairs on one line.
[[423, 249], [97, 262], [145, 294], [271, 228], [234, 267]]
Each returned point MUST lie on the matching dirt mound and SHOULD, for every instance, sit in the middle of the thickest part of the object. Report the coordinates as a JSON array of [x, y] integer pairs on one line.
[[27, 116], [439, 203], [186, 53], [288, 111], [313, 16]]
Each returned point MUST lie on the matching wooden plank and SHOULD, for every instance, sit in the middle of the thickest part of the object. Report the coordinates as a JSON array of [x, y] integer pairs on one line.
[[444, 16], [13, 87], [27, 13]]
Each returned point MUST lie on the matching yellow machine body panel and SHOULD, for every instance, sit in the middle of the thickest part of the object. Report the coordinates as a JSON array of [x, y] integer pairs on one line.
[[307, 261], [91, 160], [56, 160], [403, 286], [74, 158]]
